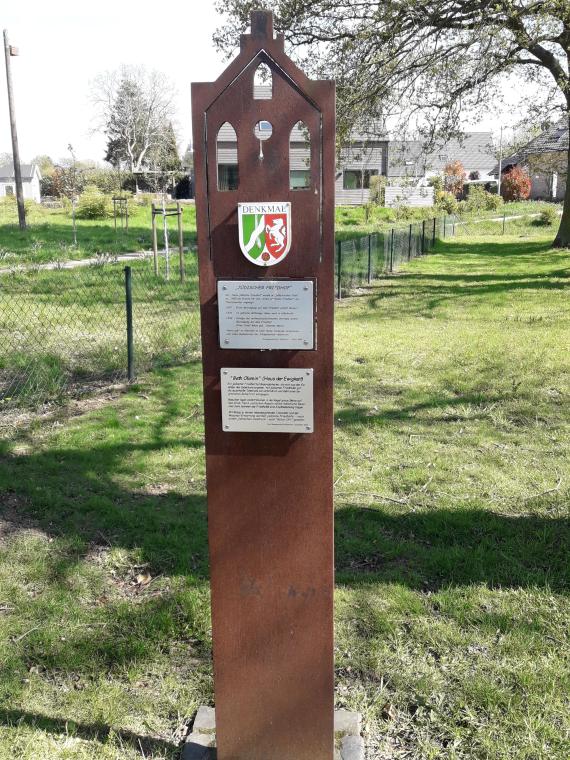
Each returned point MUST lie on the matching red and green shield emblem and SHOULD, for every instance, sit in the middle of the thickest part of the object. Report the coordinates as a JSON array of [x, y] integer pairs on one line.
[[264, 232]]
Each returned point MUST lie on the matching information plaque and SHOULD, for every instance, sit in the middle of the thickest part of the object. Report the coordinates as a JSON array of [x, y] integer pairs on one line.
[[266, 314], [267, 400]]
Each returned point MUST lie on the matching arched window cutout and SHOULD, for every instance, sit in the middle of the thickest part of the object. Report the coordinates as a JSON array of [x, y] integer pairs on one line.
[[262, 83], [300, 157], [227, 157]]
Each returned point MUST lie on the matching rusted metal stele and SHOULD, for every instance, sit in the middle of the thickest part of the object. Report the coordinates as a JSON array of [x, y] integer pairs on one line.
[[270, 514]]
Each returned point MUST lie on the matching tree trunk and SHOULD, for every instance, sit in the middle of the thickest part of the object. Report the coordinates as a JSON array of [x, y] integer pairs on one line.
[[563, 236]]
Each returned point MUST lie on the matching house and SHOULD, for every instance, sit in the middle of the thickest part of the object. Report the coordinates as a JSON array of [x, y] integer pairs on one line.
[[368, 153], [407, 163], [31, 177], [545, 158]]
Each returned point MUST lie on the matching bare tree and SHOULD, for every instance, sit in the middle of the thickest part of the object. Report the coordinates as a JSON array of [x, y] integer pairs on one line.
[[135, 108]]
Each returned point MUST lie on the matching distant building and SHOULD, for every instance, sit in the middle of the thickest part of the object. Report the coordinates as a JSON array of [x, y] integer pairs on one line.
[[31, 177], [545, 158], [368, 153]]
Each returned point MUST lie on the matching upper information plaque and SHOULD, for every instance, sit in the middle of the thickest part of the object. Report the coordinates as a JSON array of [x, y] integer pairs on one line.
[[265, 314]]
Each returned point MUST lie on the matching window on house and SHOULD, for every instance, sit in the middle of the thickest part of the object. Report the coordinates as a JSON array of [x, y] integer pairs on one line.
[[300, 157], [262, 83], [358, 179], [227, 158]]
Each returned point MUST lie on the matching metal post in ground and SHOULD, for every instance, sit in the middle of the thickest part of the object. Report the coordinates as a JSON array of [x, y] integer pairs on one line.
[[423, 236], [339, 268], [410, 243], [369, 259], [444, 219], [433, 236], [154, 241], [130, 337], [10, 50], [180, 242], [504, 219], [392, 250]]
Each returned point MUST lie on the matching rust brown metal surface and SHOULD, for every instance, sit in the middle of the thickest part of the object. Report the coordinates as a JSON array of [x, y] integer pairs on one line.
[[270, 514]]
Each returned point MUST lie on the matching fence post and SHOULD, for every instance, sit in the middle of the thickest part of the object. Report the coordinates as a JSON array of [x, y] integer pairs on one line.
[[392, 250], [338, 267], [433, 236], [423, 236], [130, 339], [444, 220], [154, 241], [369, 259], [504, 219], [180, 243], [410, 243]]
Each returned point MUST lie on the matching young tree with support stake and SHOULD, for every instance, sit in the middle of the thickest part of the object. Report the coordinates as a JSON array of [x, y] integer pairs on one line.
[[424, 61]]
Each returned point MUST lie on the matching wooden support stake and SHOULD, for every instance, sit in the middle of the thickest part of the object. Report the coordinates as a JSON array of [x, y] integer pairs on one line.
[[154, 242], [180, 243]]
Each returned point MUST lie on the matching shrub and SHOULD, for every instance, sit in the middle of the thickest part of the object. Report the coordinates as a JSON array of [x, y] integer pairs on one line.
[[548, 217], [93, 204], [446, 201], [516, 185], [436, 182], [454, 175], [493, 202], [377, 189], [475, 200]]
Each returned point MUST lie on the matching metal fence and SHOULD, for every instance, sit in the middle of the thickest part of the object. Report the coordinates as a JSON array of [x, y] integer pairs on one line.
[[64, 331], [361, 260]]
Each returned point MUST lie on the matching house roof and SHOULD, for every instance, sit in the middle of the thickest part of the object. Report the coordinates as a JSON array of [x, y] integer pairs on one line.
[[410, 157], [554, 139], [7, 171]]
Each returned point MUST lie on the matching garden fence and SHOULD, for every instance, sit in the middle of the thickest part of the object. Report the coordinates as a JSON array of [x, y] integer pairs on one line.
[[361, 260], [67, 331]]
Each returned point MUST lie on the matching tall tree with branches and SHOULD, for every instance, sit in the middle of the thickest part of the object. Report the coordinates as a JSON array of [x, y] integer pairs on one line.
[[136, 110], [424, 62]]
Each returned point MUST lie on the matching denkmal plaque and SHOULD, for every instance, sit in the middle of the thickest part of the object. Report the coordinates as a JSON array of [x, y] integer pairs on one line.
[[267, 400], [266, 314]]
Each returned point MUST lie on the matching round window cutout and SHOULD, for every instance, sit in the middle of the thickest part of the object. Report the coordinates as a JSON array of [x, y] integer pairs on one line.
[[263, 130]]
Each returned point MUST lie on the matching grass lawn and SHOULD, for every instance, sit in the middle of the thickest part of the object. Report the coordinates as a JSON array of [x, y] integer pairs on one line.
[[49, 236], [452, 490]]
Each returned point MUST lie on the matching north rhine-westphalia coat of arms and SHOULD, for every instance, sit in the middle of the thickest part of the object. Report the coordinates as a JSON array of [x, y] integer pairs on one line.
[[264, 232]]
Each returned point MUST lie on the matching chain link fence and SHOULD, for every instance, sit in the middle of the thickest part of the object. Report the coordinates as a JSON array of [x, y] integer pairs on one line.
[[64, 331], [361, 260]]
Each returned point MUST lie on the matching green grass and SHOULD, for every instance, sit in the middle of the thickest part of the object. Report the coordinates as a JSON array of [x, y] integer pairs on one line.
[[62, 330], [452, 445], [49, 236]]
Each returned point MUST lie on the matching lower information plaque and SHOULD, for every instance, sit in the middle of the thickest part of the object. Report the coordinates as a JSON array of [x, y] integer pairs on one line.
[[256, 400]]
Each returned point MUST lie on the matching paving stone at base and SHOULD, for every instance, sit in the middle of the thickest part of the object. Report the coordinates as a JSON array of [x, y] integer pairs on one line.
[[200, 744]]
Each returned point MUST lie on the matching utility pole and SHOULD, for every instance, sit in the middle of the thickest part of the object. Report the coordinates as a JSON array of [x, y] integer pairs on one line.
[[500, 161], [10, 50]]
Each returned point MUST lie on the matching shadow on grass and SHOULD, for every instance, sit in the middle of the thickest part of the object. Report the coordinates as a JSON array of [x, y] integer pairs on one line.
[[442, 548], [100, 732]]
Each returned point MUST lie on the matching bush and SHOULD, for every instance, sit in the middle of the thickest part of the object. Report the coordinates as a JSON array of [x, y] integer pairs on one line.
[[93, 204], [454, 177], [493, 202], [377, 189], [475, 200], [516, 185], [436, 182], [446, 201], [548, 218]]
